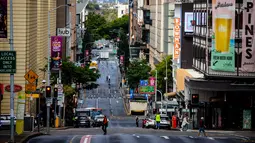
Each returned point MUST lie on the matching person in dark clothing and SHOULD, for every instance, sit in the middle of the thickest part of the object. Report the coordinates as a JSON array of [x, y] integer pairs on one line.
[[137, 121], [202, 126], [105, 125]]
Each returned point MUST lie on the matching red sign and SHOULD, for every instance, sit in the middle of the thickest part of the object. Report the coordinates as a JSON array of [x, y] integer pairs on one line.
[[2, 89], [87, 53], [121, 59], [17, 88], [152, 81]]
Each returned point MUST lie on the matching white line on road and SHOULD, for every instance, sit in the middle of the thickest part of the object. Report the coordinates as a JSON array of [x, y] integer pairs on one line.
[[137, 136], [97, 103], [110, 101], [210, 138], [165, 137]]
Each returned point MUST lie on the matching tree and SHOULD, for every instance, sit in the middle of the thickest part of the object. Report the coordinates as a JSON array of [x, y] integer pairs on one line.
[[110, 14], [123, 46], [161, 73], [137, 70]]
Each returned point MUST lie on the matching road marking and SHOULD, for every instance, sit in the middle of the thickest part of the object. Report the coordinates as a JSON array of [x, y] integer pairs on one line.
[[71, 141], [133, 134], [191, 137], [137, 136], [165, 137], [85, 139], [210, 138]]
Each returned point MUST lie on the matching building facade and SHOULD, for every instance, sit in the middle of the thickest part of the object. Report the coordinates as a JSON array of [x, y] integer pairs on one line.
[[226, 90], [30, 43]]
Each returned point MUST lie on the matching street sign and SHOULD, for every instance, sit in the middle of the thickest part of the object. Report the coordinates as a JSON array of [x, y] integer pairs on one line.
[[30, 87], [147, 90], [31, 76], [8, 62], [60, 91]]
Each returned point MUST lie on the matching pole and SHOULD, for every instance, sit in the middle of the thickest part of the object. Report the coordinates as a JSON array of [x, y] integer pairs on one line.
[[70, 39], [47, 100], [11, 75], [166, 77], [161, 101], [59, 107], [156, 86]]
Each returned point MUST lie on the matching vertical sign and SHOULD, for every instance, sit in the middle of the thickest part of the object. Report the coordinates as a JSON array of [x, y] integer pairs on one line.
[[177, 45], [56, 52], [152, 81], [248, 44], [121, 59], [223, 37], [20, 113], [3, 18]]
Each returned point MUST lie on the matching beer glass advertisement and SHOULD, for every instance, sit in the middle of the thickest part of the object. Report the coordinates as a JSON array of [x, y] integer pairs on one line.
[[223, 36], [3, 18], [56, 52], [248, 44]]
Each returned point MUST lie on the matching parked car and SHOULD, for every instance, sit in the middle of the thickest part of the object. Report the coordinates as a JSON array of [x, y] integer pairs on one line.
[[165, 122], [98, 121], [149, 122], [83, 121], [5, 121]]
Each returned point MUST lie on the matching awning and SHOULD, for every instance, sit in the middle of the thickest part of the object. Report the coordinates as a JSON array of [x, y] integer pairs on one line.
[[170, 94]]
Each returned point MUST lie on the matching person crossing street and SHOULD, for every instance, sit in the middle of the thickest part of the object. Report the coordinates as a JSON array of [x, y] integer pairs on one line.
[[158, 121], [105, 125]]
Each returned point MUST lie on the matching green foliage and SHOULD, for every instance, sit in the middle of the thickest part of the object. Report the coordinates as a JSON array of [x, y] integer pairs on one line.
[[69, 90], [71, 73], [137, 70], [110, 14], [123, 46], [161, 69], [93, 6]]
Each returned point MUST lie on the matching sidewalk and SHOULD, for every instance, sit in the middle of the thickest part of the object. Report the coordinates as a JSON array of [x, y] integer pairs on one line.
[[5, 134], [228, 132]]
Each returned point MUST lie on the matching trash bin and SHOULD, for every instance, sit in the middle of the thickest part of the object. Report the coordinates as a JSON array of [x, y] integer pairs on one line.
[[28, 123]]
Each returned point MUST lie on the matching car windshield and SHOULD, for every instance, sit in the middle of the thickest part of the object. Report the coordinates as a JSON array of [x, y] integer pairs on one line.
[[164, 118]]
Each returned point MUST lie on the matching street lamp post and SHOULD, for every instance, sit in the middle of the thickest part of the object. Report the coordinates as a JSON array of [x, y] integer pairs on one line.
[[48, 66], [161, 100]]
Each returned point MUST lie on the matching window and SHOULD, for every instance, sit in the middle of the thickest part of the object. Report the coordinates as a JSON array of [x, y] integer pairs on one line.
[[147, 2], [122, 11]]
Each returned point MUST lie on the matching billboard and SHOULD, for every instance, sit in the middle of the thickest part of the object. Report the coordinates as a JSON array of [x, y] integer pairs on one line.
[[248, 44], [223, 36], [177, 44], [65, 32], [188, 25], [56, 52], [3, 18]]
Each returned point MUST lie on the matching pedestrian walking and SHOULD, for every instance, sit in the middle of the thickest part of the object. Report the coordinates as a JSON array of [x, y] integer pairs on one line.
[[137, 121], [157, 121], [105, 125], [185, 123], [202, 127]]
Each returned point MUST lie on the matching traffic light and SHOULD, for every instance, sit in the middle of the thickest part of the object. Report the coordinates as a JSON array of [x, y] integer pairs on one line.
[[195, 99], [48, 91], [55, 92]]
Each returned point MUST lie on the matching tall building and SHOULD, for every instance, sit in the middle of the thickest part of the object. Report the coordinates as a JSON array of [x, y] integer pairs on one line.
[[161, 30], [221, 88], [30, 43]]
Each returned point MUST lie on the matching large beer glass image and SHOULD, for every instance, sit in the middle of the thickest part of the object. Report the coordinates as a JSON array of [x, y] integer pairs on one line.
[[223, 27]]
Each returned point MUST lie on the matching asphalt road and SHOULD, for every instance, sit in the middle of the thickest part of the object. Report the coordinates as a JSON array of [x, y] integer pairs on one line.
[[106, 96], [136, 135]]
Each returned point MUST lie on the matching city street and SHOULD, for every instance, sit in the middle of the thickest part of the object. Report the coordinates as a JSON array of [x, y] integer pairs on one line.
[[107, 96], [139, 135]]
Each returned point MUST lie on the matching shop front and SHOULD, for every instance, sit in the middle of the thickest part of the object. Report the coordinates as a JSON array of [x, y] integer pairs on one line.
[[223, 104]]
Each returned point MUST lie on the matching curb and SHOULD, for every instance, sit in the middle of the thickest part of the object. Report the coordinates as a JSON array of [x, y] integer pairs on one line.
[[61, 128]]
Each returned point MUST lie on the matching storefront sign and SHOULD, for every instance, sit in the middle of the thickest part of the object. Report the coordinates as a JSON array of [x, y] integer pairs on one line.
[[177, 45], [65, 32], [152, 81], [223, 37], [17, 88], [248, 44], [56, 52], [8, 62]]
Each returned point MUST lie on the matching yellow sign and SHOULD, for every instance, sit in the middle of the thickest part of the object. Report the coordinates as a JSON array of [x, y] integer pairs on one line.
[[31, 76], [20, 113], [33, 95], [30, 87]]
